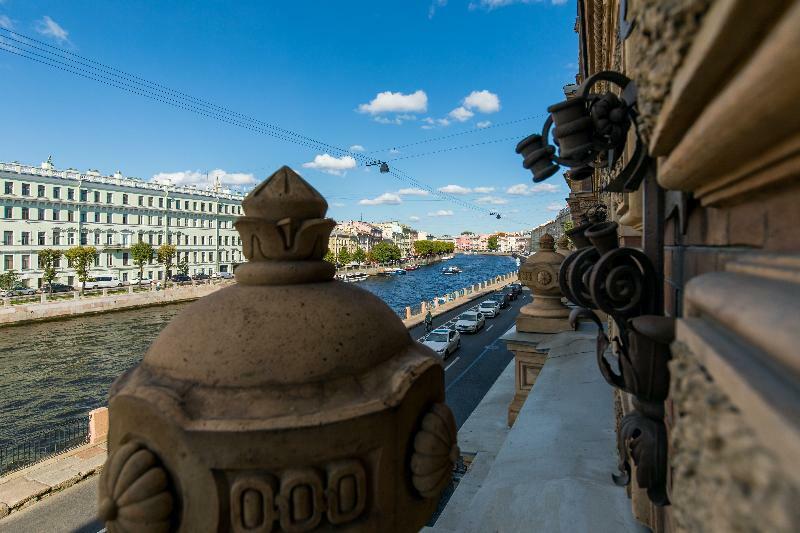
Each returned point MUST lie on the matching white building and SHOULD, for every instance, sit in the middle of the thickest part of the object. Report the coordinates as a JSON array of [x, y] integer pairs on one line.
[[49, 208]]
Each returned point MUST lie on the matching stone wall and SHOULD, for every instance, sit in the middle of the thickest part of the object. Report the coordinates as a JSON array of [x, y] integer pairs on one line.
[[724, 478]]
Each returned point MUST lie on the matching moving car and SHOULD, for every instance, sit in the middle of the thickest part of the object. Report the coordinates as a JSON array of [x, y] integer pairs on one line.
[[443, 341], [516, 287], [57, 287], [511, 293], [489, 308], [100, 282], [471, 321], [17, 290], [502, 298]]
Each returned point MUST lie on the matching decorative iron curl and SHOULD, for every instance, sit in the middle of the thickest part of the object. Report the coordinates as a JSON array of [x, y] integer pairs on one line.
[[644, 440], [623, 284]]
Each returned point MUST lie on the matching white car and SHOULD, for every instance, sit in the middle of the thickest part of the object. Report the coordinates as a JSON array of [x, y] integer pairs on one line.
[[222, 275], [470, 321], [100, 282], [489, 308], [142, 281], [443, 341]]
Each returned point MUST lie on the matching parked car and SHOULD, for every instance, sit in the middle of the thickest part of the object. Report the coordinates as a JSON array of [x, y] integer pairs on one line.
[[200, 276], [502, 298], [225, 275], [143, 281], [180, 278], [443, 341], [17, 290], [99, 282], [471, 321], [516, 287], [489, 308], [57, 287]]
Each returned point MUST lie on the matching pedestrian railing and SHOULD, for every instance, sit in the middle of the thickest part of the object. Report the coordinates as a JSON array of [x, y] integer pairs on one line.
[[60, 438]]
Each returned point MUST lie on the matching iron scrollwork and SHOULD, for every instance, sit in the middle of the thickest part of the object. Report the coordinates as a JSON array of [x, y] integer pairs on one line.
[[622, 283]]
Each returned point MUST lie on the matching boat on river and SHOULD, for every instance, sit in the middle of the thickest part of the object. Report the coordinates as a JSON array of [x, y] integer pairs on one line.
[[409, 268], [393, 271], [451, 270]]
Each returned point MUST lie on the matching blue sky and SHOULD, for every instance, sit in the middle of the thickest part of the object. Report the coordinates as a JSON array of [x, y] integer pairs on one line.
[[352, 74]]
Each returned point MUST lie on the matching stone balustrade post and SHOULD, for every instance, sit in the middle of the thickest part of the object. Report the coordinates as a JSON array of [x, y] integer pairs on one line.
[[233, 421], [6, 301], [423, 307], [43, 297], [105, 291], [408, 312], [76, 295], [130, 289]]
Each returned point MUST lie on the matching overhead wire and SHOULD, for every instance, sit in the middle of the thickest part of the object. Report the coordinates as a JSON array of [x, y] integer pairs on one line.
[[119, 79]]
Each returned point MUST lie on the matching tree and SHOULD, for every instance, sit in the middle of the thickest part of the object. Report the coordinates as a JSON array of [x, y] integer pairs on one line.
[[344, 256], [183, 265], [82, 258], [492, 244], [48, 259], [329, 257], [165, 254], [359, 256], [9, 279], [383, 252], [141, 252]]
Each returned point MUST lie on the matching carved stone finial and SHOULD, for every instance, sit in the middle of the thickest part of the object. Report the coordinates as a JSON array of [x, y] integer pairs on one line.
[[272, 405], [546, 314], [284, 232]]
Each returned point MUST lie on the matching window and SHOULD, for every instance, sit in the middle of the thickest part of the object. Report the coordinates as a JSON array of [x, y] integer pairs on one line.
[[9, 187], [7, 212], [150, 238], [108, 218], [160, 221], [177, 204], [126, 239], [160, 202], [141, 200], [194, 258], [169, 203], [109, 259], [97, 216], [97, 197], [70, 238], [202, 206], [26, 189], [150, 201], [124, 276], [194, 204], [109, 197], [203, 240], [56, 193], [83, 216], [55, 214], [8, 238], [195, 240], [84, 195], [25, 213], [8, 262], [40, 191], [124, 218], [202, 257], [97, 260], [160, 239], [109, 238], [97, 239], [226, 240], [40, 238], [70, 194], [210, 257], [125, 199], [40, 214], [26, 238], [84, 238], [56, 238], [125, 258], [70, 215]]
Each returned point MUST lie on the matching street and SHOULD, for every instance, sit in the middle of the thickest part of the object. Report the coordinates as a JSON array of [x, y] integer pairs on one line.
[[469, 373]]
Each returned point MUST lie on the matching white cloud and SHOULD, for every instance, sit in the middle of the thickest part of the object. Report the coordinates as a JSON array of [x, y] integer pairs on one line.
[[523, 189], [493, 200], [387, 198], [434, 5], [413, 192], [441, 213], [484, 101], [357, 148], [495, 4], [455, 189], [389, 102], [197, 178], [331, 165], [545, 187], [483, 124], [338, 204], [483, 190], [461, 114], [413, 218], [6, 22], [555, 207], [51, 28]]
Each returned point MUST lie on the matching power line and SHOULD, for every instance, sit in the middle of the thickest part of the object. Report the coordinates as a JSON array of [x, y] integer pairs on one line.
[[450, 149], [119, 79]]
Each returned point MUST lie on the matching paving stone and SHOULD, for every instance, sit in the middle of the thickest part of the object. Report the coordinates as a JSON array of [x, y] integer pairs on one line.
[[18, 490]]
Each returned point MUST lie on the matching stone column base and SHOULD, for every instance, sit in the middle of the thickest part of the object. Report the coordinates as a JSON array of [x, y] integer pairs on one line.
[[528, 362], [539, 324]]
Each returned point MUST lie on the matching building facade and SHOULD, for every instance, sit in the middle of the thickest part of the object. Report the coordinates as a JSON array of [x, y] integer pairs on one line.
[[43, 207]]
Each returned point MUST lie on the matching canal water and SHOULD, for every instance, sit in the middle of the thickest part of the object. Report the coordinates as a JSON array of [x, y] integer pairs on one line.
[[53, 371]]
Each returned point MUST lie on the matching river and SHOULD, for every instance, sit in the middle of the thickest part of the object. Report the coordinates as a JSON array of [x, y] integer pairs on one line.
[[53, 371]]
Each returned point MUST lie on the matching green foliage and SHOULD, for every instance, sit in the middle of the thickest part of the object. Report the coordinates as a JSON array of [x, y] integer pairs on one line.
[[165, 254], [329, 257], [383, 252], [492, 243], [344, 256], [433, 247], [183, 266], [48, 258], [568, 225], [9, 279], [142, 253], [82, 258], [359, 256]]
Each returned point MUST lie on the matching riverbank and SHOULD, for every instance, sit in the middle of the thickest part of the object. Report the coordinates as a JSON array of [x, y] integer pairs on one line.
[[103, 303], [380, 269]]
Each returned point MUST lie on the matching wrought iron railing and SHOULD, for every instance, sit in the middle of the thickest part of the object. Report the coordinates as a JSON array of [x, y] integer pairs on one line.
[[59, 438]]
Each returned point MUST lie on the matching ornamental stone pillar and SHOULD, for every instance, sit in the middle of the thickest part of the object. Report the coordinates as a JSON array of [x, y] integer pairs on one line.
[[547, 313], [285, 402]]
